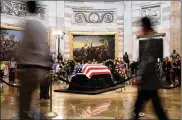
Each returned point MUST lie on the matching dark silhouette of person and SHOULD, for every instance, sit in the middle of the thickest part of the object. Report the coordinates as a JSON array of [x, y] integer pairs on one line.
[[133, 67], [12, 70], [148, 80], [176, 70], [174, 54], [60, 57], [166, 66], [126, 58]]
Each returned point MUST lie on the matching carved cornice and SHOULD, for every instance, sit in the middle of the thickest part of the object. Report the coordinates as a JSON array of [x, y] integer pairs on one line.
[[93, 16], [154, 12], [12, 27], [153, 35], [17, 8]]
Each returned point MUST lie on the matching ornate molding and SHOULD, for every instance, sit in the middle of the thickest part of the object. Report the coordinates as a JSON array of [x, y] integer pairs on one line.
[[93, 16], [154, 12], [17, 8], [12, 27], [71, 34], [154, 35]]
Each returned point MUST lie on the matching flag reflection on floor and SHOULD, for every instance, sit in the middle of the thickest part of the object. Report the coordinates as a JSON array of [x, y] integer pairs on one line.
[[96, 110]]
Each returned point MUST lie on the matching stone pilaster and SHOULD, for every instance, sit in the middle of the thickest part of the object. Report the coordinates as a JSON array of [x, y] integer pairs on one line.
[[175, 25], [128, 46]]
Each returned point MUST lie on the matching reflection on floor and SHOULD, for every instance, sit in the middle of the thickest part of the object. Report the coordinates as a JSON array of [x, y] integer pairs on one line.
[[111, 105]]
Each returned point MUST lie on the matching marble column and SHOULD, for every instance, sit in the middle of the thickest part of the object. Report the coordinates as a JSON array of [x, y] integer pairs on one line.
[[56, 23], [128, 28], [175, 25]]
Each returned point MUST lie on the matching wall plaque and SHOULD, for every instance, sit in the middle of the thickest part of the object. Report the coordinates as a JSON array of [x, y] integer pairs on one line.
[[154, 12], [93, 16]]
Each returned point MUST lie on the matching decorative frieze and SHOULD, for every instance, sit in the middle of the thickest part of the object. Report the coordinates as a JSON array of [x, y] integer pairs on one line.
[[154, 12], [93, 16], [19, 9]]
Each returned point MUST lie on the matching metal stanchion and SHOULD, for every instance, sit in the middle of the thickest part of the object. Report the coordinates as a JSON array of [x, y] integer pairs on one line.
[[51, 114]]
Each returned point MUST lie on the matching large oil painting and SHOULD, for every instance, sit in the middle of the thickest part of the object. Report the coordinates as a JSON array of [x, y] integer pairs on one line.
[[90, 47], [9, 43]]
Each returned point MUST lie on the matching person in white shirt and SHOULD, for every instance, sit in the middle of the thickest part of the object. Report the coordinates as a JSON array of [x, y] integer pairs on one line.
[[56, 67], [2, 69], [12, 70], [34, 62], [94, 61]]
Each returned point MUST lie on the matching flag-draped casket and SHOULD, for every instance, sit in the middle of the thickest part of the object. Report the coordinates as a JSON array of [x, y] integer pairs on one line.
[[91, 77]]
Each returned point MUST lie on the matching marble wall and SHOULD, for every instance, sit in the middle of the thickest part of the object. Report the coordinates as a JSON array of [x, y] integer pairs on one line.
[[160, 12], [175, 25], [15, 13], [128, 40], [53, 17], [99, 16], [61, 15], [94, 17], [55, 22]]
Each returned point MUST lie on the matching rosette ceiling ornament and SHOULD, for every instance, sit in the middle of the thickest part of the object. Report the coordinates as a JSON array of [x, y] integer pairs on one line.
[[93, 16]]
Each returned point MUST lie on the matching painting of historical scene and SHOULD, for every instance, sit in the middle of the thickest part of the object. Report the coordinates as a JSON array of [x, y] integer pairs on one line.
[[93, 47], [9, 43]]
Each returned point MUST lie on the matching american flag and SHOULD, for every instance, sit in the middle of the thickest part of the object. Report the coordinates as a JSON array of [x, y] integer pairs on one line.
[[78, 69], [95, 69], [96, 110]]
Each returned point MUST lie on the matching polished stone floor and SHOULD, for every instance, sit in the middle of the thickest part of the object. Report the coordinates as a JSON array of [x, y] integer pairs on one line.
[[111, 105]]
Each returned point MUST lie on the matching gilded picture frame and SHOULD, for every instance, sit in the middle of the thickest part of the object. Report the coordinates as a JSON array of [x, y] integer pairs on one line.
[[17, 28], [12, 27], [71, 34]]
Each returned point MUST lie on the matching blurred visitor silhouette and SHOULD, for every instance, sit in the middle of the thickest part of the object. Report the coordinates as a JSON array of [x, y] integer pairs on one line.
[[12, 70], [174, 54], [148, 80], [34, 62]]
